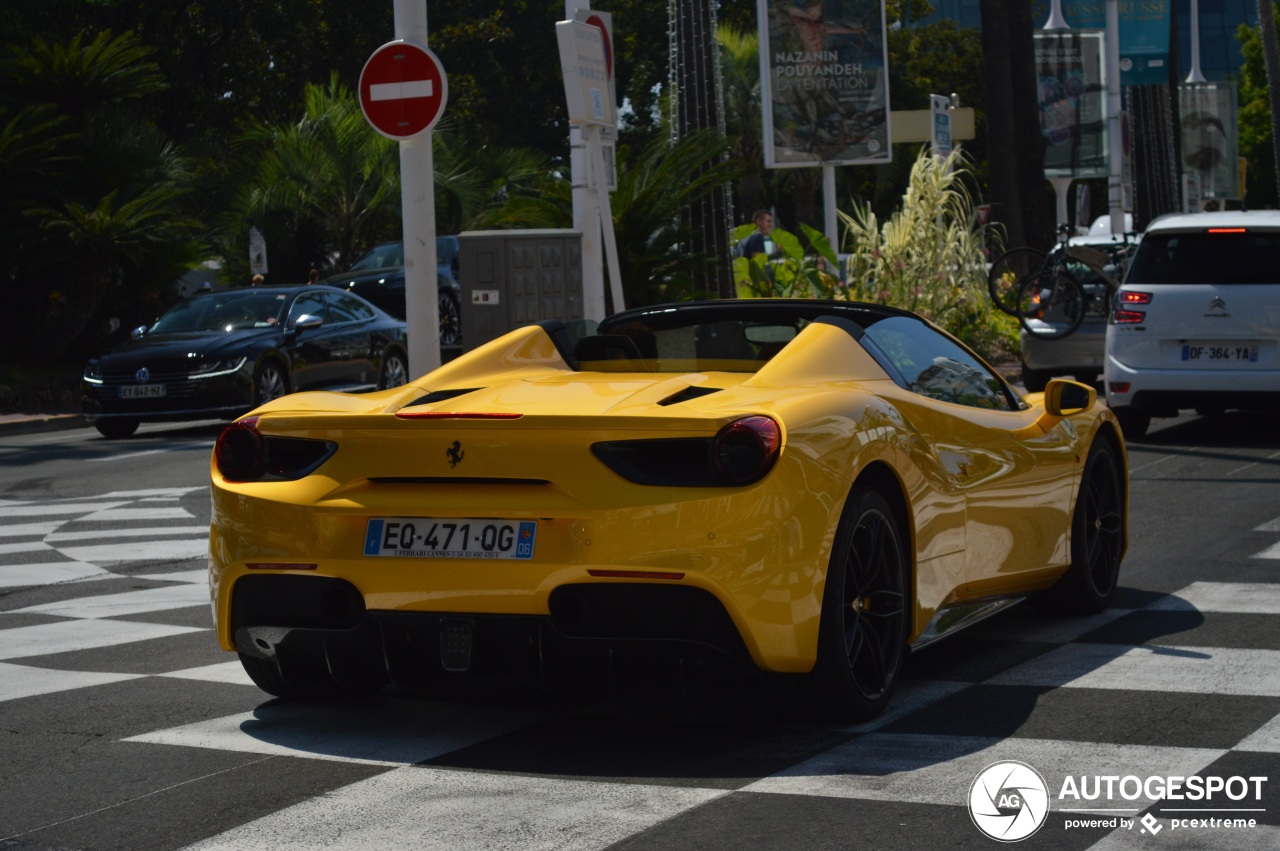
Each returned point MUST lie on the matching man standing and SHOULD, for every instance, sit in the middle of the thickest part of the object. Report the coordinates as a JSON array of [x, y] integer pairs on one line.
[[759, 241]]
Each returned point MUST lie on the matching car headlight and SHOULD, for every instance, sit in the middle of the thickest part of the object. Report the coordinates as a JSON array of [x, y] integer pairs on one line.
[[93, 373], [217, 367]]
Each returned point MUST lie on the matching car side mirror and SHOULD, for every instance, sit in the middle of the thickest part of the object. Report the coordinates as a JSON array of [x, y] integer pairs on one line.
[[1062, 398], [137, 333], [306, 321]]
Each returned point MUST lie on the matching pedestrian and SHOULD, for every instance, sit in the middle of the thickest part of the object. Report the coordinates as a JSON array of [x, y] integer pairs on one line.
[[758, 241], [258, 280], [313, 277]]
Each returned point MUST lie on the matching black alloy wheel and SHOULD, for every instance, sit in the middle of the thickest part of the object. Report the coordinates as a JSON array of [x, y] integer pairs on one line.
[[1097, 538], [269, 382], [450, 318], [865, 616], [395, 371]]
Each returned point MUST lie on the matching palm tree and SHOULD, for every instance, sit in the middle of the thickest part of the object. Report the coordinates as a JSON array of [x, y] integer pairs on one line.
[[740, 73], [94, 214], [654, 187], [330, 168]]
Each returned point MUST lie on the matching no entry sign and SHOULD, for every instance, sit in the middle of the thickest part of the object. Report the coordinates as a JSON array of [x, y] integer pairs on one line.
[[403, 90]]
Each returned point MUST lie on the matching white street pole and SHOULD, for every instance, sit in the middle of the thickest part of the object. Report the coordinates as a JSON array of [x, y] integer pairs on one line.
[[829, 205], [418, 210], [1115, 144], [586, 212], [1196, 76]]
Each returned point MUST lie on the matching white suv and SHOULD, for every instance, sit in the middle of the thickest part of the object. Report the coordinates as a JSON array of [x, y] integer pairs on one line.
[[1197, 320]]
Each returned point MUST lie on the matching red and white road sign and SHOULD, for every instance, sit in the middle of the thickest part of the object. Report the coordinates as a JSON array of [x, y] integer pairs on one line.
[[403, 90]]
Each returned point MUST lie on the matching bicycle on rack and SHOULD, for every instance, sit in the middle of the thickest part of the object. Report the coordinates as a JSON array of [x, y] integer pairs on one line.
[[1051, 294]]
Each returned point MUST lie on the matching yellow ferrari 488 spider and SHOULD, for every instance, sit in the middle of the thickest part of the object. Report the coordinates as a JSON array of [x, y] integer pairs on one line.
[[807, 488]]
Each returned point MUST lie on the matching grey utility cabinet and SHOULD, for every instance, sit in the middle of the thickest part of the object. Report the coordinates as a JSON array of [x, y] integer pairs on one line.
[[512, 278]]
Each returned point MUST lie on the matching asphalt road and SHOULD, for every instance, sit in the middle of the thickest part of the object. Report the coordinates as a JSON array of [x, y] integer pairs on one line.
[[123, 726]]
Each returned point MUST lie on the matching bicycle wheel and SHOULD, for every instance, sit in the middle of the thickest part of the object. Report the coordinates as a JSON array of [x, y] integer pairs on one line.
[[1008, 274], [1051, 305]]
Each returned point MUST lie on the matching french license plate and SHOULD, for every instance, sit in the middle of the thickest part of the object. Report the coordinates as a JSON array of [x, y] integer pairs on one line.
[[461, 537], [1246, 352], [142, 391]]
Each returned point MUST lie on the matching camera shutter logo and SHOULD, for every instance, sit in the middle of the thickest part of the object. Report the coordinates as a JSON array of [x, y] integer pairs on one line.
[[1008, 801]]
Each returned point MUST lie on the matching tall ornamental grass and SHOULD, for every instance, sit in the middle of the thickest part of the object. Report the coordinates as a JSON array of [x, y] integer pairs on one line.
[[928, 257]]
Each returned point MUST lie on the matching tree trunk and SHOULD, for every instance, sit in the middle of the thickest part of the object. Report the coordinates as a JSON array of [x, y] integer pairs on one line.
[[698, 107], [1006, 206], [1270, 56], [1020, 199]]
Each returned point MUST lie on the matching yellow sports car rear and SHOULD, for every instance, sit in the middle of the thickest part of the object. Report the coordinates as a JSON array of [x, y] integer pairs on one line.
[[795, 487]]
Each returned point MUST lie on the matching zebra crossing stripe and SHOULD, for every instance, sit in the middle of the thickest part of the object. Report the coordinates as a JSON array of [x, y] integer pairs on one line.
[[429, 808], [18, 681], [1233, 597], [115, 515], [1196, 670], [98, 534], [84, 634], [1272, 551], [139, 551], [392, 733], [126, 603], [15, 530], [56, 508], [931, 769], [49, 573]]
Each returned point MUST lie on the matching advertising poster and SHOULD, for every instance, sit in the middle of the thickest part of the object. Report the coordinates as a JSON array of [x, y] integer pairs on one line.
[[1210, 144], [1072, 94], [1144, 35], [825, 88]]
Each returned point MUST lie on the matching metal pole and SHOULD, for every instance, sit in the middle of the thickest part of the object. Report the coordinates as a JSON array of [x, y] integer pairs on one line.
[[418, 211], [586, 213], [1196, 76], [829, 205], [1115, 144]]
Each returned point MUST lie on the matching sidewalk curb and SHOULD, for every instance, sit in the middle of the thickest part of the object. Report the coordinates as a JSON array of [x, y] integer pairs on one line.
[[14, 424]]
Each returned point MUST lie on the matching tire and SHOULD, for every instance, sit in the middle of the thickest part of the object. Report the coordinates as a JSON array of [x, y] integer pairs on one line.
[[270, 381], [1007, 275], [116, 428], [395, 370], [865, 614], [1090, 378], [1133, 423], [1097, 538], [1063, 314], [450, 318], [1035, 380], [266, 676]]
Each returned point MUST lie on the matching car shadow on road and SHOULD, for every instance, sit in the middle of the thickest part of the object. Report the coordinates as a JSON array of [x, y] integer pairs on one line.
[[1009, 677]]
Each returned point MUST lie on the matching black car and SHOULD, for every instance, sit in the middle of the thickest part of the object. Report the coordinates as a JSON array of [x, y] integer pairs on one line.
[[379, 277], [219, 354]]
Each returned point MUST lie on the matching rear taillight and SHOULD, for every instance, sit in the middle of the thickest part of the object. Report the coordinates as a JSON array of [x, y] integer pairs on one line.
[[744, 450], [741, 453], [1118, 386], [244, 454], [241, 453], [1120, 315]]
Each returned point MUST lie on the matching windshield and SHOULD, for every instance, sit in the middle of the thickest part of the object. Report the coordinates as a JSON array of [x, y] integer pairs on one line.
[[382, 257], [226, 311], [1247, 257]]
